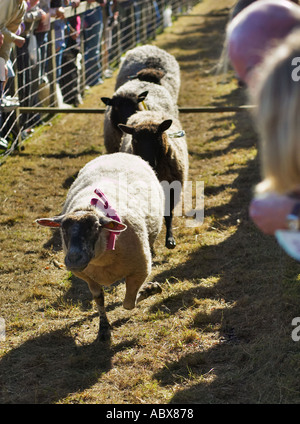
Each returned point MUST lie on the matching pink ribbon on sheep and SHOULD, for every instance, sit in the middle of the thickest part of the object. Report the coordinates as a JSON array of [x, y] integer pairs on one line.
[[103, 204]]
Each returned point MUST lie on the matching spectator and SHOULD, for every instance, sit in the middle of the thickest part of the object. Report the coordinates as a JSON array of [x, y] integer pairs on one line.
[[126, 12], [70, 75], [157, 13], [2, 68], [112, 15], [137, 6], [92, 33], [57, 10], [242, 4], [42, 35], [12, 14], [277, 95], [26, 58]]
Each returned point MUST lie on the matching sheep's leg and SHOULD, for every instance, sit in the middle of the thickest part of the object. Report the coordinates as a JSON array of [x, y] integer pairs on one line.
[[133, 284], [170, 241], [104, 326], [98, 295]]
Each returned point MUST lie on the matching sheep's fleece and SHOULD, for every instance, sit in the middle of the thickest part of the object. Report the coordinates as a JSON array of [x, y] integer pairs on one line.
[[148, 56]]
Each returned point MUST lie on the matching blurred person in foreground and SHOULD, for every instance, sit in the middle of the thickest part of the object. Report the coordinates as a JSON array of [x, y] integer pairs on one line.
[[242, 4], [276, 205], [254, 30]]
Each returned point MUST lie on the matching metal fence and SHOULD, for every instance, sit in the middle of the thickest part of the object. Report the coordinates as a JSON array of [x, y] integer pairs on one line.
[[54, 70]]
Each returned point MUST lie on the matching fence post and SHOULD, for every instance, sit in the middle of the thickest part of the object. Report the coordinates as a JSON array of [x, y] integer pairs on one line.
[[16, 90], [119, 46], [82, 51], [52, 68], [104, 50]]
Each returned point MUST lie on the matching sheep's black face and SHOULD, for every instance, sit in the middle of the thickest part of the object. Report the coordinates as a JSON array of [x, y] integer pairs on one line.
[[147, 145], [149, 141], [80, 234], [122, 109]]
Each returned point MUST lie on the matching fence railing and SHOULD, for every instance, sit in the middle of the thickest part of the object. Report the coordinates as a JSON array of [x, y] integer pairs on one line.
[[47, 76]]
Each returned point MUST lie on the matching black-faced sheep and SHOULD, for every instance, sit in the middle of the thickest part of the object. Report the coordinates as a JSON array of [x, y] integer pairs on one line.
[[161, 142], [151, 57], [131, 97], [109, 237]]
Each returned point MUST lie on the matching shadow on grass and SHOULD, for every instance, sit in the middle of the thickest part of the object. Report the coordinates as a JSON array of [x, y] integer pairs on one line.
[[244, 352], [252, 358], [48, 368], [247, 362]]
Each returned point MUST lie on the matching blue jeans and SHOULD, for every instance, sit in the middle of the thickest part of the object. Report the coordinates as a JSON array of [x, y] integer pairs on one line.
[[42, 42], [138, 16], [93, 28]]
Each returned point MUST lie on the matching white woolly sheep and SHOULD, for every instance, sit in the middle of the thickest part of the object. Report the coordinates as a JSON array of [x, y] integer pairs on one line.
[[146, 136], [132, 209], [151, 57], [131, 97]]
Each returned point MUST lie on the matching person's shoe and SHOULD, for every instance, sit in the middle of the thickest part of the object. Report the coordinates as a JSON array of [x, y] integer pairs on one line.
[[9, 103], [3, 143], [108, 73]]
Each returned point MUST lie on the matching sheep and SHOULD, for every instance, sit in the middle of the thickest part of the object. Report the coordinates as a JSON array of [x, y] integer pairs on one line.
[[131, 97], [145, 135], [106, 242], [151, 57]]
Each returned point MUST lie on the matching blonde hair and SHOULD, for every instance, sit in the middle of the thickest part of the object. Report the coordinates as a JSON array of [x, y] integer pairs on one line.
[[277, 96]]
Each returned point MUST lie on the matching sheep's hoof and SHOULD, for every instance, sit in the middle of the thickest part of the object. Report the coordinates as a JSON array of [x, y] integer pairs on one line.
[[104, 333], [148, 290], [103, 336], [170, 243], [129, 304]]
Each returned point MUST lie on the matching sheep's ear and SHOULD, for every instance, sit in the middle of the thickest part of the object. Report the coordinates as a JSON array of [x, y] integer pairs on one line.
[[107, 101], [50, 222], [126, 129], [165, 125], [142, 96], [112, 225]]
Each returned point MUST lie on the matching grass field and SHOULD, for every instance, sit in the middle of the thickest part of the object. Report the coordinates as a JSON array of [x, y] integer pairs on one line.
[[219, 333]]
